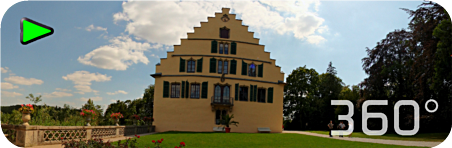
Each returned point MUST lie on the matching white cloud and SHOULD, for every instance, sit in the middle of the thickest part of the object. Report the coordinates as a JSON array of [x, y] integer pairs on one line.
[[92, 98], [119, 55], [6, 85], [82, 80], [57, 94], [95, 28], [5, 70], [23, 81], [117, 92], [62, 89], [145, 20], [315, 39], [10, 94]]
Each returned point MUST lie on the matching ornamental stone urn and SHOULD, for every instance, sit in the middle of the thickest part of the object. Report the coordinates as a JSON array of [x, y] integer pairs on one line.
[[88, 120], [26, 117], [117, 122]]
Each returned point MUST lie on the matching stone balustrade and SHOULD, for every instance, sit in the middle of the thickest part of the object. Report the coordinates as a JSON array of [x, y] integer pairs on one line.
[[26, 136]]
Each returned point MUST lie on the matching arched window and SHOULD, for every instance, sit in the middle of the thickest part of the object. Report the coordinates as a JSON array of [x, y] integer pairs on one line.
[[252, 70], [221, 48], [226, 94], [217, 93], [226, 48]]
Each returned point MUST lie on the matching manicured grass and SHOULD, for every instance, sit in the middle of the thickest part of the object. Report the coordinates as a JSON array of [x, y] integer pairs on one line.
[[243, 140], [437, 137]]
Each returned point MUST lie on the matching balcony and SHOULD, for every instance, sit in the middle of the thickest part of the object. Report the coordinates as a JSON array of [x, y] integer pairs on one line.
[[222, 103]]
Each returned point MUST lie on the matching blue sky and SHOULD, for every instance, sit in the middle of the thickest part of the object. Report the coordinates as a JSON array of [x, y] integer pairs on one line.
[[107, 50]]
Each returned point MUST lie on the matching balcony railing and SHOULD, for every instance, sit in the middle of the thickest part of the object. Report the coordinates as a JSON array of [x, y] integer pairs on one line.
[[224, 101]]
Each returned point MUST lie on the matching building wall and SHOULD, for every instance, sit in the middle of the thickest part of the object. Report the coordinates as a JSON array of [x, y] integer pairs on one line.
[[187, 114]]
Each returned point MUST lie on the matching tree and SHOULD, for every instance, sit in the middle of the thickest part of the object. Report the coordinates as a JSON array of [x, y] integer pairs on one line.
[[33, 99], [442, 79], [300, 96], [148, 97], [329, 88]]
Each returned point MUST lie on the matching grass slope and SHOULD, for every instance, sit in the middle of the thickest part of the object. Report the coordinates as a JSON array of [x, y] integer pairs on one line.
[[243, 140]]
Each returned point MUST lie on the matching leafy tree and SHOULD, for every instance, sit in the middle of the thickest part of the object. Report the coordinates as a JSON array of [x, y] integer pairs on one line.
[[301, 96], [148, 97], [442, 79]]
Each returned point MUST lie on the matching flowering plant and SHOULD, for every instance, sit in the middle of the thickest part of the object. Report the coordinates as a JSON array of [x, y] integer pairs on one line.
[[136, 117], [86, 112], [182, 144], [26, 108], [116, 115], [157, 143]]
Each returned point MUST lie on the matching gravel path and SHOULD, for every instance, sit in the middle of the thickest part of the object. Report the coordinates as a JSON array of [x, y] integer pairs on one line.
[[369, 140]]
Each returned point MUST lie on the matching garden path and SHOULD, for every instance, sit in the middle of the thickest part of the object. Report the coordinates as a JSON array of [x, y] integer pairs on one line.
[[369, 140]]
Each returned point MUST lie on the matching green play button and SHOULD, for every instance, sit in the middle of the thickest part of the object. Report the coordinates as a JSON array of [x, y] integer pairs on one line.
[[31, 31]]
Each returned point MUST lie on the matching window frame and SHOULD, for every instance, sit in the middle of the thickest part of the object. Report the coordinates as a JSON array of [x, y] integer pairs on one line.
[[189, 66], [196, 88], [176, 88], [222, 93], [220, 66], [261, 98], [241, 96], [249, 70], [227, 32]]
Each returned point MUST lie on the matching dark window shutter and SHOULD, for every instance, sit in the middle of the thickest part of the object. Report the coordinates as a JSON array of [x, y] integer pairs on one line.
[[214, 46], [182, 89], [204, 90], [165, 89], [233, 68], [213, 65], [182, 65], [270, 95], [237, 91], [199, 67], [244, 67], [233, 48], [260, 70], [255, 93], [251, 93], [187, 89]]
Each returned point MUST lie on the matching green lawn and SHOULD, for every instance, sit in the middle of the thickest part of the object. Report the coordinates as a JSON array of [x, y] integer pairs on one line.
[[437, 137], [242, 140]]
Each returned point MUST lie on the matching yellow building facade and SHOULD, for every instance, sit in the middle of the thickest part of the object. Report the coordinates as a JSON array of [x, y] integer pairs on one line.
[[218, 69]]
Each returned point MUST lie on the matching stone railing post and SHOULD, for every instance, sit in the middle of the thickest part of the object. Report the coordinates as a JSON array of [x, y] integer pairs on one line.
[[89, 130], [26, 136]]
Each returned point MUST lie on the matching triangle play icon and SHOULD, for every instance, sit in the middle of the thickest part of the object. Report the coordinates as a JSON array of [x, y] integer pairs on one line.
[[31, 31]]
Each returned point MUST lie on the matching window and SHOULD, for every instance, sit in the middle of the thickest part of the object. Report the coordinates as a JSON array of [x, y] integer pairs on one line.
[[221, 94], [175, 90], [220, 66], [194, 91], [219, 115], [226, 48], [252, 70], [224, 32], [261, 95], [243, 93], [191, 66], [225, 67], [221, 48]]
